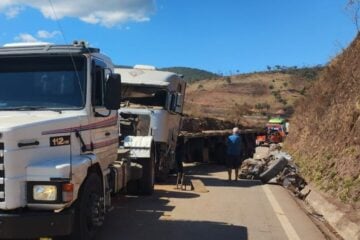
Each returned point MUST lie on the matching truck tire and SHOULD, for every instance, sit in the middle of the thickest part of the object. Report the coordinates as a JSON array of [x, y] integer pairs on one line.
[[147, 180], [161, 172], [273, 170], [144, 185], [133, 187], [161, 175], [220, 152], [89, 209]]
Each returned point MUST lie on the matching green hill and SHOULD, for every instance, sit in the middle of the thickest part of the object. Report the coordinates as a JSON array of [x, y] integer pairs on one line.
[[191, 74]]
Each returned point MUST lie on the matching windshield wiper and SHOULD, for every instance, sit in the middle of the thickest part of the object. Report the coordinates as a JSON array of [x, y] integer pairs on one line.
[[31, 108]]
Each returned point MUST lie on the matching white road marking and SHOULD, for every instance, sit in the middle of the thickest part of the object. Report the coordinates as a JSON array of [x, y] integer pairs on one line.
[[284, 221]]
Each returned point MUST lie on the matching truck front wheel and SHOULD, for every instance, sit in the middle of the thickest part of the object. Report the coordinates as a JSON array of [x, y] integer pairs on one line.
[[147, 181], [161, 173], [89, 209], [144, 185]]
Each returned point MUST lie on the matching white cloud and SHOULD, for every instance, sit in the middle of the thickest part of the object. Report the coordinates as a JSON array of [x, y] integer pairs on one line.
[[12, 12], [106, 13], [25, 37], [41, 34], [46, 35]]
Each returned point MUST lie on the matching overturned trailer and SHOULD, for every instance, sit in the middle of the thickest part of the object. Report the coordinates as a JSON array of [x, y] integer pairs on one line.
[[210, 145]]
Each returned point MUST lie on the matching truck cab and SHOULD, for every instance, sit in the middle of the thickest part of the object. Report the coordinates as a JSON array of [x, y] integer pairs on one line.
[[58, 139], [151, 111], [275, 132]]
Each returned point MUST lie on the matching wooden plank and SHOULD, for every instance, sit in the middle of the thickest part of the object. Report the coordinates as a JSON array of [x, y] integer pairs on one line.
[[198, 186], [213, 133]]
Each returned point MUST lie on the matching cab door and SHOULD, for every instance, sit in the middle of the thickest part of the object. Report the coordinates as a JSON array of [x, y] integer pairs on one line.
[[103, 122]]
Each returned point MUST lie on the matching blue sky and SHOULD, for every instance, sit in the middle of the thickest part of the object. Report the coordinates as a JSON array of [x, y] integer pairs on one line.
[[219, 36]]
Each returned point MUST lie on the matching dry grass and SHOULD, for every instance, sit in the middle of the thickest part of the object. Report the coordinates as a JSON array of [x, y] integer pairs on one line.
[[326, 128], [229, 98]]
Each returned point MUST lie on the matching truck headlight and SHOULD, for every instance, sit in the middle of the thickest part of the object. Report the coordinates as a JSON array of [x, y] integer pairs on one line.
[[44, 192], [1, 153]]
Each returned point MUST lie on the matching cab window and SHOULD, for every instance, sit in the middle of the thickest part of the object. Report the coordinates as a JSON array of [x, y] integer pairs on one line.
[[99, 86]]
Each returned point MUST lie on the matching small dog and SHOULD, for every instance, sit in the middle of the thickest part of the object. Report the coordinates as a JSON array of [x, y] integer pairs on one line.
[[183, 181]]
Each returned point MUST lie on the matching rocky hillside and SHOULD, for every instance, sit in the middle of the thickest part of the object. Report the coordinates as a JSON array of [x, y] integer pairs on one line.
[[255, 95], [325, 130]]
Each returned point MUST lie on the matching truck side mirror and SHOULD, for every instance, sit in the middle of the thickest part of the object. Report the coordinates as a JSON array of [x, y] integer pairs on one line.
[[172, 106], [112, 98], [179, 103]]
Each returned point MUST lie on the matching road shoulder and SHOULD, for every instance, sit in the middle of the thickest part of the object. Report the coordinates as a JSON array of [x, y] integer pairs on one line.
[[338, 219]]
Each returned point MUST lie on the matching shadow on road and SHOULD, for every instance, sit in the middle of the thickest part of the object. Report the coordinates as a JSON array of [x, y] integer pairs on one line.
[[203, 168], [149, 217], [204, 173], [214, 182], [175, 194]]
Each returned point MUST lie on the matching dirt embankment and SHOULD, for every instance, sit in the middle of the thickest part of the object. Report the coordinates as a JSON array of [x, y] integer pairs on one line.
[[325, 130], [229, 98]]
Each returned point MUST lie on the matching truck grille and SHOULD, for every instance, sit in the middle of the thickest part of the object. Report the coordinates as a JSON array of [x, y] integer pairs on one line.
[[2, 173]]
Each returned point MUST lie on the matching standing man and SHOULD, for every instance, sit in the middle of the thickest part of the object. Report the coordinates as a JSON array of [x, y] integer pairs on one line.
[[287, 125], [234, 152]]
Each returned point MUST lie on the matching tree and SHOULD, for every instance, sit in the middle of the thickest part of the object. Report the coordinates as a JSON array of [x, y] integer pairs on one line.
[[353, 7], [228, 80]]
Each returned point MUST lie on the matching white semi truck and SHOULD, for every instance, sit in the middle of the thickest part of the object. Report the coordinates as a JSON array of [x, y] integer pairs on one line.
[[59, 140], [151, 109]]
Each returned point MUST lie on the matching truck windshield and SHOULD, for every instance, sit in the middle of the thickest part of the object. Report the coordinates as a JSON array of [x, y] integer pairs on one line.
[[144, 95], [40, 83]]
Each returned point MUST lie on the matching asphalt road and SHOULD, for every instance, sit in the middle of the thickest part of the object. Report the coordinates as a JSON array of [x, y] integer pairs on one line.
[[229, 210]]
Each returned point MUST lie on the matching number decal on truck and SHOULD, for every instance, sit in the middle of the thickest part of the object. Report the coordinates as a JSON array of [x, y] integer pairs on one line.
[[59, 141]]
